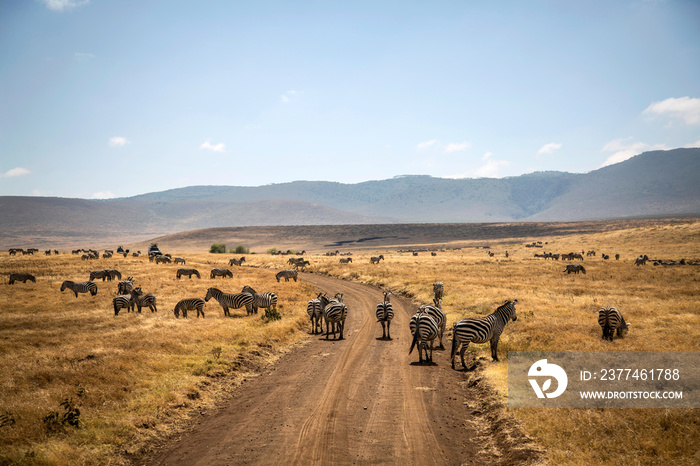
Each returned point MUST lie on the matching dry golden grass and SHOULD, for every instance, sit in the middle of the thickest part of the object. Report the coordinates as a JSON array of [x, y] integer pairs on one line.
[[136, 378]]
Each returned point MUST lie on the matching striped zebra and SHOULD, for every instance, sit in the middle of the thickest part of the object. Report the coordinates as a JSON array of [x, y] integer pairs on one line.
[[141, 300], [385, 312], [574, 268], [315, 310], [611, 321], [163, 259], [21, 277], [236, 261], [125, 286], [83, 287], [112, 274], [95, 274], [335, 314], [481, 330], [179, 260], [346, 260], [287, 274], [189, 304], [188, 272], [438, 290], [435, 311], [233, 301], [267, 300], [220, 273], [123, 301], [376, 259], [426, 331]]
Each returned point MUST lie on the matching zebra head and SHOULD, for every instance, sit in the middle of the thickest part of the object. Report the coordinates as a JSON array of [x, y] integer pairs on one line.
[[508, 309], [210, 294], [387, 296], [65, 285]]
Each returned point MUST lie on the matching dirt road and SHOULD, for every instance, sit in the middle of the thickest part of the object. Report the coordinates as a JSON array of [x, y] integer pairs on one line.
[[361, 400]]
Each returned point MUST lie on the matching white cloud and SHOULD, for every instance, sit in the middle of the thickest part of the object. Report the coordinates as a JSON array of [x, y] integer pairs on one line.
[[221, 147], [692, 145], [457, 147], [118, 141], [288, 96], [549, 148], [103, 195], [491, 168], [17, 171], [625, 149], [683, 108], [426, 145], [79, 56], [62, 5]]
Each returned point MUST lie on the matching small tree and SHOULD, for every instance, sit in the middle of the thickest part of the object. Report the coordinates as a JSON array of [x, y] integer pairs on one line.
[[272, 250], [217, 248], [241, 250]]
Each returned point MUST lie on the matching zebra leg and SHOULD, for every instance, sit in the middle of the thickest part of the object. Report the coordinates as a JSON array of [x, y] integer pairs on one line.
[[383, 329], [494, 349], [388, 329], [461, 356]]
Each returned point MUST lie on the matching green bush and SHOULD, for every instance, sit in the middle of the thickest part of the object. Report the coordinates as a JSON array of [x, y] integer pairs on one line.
[[272, 250], [240, 250], [218, 249]]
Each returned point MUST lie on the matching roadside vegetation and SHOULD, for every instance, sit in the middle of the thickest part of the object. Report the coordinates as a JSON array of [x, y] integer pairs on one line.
[[83, 386]]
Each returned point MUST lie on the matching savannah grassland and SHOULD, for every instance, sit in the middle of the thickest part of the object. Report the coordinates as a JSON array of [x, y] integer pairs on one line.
[[137, 378]]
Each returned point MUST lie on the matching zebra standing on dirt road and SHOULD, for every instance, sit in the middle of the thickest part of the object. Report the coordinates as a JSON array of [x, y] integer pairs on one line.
[[267, 300], [435, 311], [83, 287], [315, 310], [426, 330], [611, 321], [189, 304], [481, 330], [233, 301], [385, 313], [335, 314], [287, 274]]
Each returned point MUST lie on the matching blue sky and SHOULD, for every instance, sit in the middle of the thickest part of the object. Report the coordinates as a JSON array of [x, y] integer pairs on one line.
[[108, 98]]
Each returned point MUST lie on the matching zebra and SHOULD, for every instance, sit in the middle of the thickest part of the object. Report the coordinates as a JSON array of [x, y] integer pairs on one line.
[[220, 273], [188, 272], [189, 304], [438, 290], [315, 310], [611, 321], [125, 286], [334, 314], [265, 300], [434, 311], [641, 260], [21, 277], [164, 259], [179, 260], [376, 259], [574, 268], [426, 330], [287, 274], [103, 274], [481, 330], [112, 274], [233, 301], [236, 261], [385, 312], [346, 260], [142, 300], [83, 287], [123, 301]]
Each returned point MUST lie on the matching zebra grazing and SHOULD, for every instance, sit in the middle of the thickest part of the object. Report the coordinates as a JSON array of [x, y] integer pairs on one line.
[[179, 260], [220, 273], [123, 301], [434, 311], [21, 277], [267, 301], [315, 310], [189, 304], [188, 272], [574, 268], [287, 274], [83, 287], [141, 300], [112, 274], [236, 261], [346, 260], [335, 314], [125, 286], [163, 259], [233, 301], [376, 259], [426, 330], [385, 312], [611, 321], [481, 330], [95, 274], [438, 290]]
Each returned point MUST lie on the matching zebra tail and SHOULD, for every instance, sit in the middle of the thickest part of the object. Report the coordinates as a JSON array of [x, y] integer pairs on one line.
[[454, 347], [415, 337]]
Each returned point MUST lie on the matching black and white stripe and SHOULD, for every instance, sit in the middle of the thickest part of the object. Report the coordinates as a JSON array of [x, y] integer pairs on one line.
[[95, 274], [385, 312], [236, 261], [189, 304], [315, 310], [424, 334], [267, 300], [220, 273], [434, 311], [438, 290], [188, 272], [232, 301], [123, 301], [376, 259], [125, 286], [141, 300], [112, 274], [21, 277], [287, 274], [481, 330], [83, 287], [611, 321], [335, 314]]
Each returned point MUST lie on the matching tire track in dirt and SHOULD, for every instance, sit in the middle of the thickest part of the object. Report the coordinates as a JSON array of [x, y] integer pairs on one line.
[[355, 401]]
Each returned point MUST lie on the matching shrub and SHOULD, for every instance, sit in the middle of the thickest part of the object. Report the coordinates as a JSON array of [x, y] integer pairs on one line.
[[217, 248], [240, 250]]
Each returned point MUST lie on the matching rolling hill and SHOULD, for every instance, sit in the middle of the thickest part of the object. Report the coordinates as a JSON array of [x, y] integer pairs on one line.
[[659, 183]]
